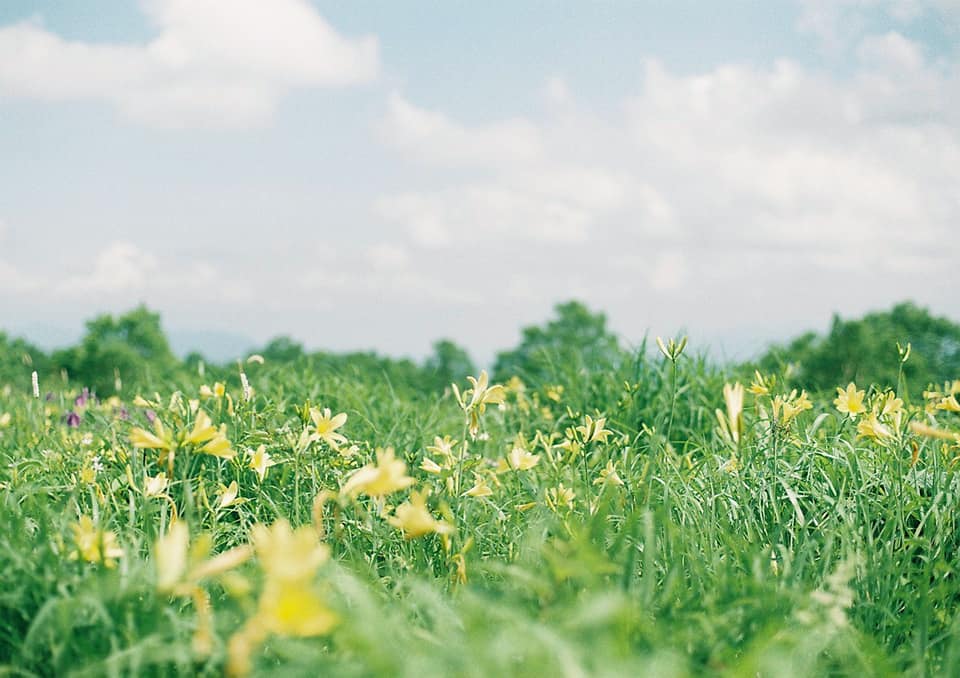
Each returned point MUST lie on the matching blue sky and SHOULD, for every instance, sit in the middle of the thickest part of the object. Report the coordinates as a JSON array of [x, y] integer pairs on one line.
[[379, 175]]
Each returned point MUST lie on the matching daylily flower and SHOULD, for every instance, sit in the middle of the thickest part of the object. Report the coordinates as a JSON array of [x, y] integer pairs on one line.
[[850, 401], [180, 568], [560, 496], [203, 429], [161, 439], [414, 520], [387, 476], [430, 466], [220, 446], [260, 461], [890, 405], [872, 428], [518, 459], [949, 404], [443, 447], [609, 475], [592, 431], [228, 495], [760, 385], [731, 426], [785, 408], [326, 425], [480, 395], [480, 487], [95, 545], [154, 486]]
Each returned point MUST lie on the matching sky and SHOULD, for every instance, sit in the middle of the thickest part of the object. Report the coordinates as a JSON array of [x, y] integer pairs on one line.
[[371, 175]]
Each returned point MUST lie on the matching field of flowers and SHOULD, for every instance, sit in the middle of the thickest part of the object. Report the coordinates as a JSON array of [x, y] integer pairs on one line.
[[658, 517]]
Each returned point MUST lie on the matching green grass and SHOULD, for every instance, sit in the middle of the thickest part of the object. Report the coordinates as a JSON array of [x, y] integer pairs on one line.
[[822, 553]]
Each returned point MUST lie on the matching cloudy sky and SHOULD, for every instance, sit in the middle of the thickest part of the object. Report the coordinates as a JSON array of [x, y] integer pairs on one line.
[[378, 175]]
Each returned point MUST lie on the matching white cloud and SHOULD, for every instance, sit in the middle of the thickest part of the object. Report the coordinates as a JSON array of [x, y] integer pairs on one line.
[[556, 91], [434, 138], [123, 273], [739, 182], [890, 52], [213, 62], [669, 271], [839, 24], [386, 256], [120, 267]]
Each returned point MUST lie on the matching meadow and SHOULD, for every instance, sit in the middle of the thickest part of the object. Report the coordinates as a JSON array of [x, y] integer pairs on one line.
[[642, 512]]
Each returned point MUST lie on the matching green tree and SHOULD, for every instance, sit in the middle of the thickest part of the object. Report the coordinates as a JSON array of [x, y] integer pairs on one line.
[[131, 346], [574, 339], [282, 350], [18, 358], [865, 351], [449, 363]]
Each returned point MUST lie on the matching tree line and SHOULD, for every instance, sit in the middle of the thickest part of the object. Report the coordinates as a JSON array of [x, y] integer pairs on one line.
[[130, 352]]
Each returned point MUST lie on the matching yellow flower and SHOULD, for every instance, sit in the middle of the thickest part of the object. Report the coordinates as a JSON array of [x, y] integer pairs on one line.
[[260, 461], [179, 568], [203, 430], [480, 487], [170, 556], [481, 394], [5, 419], [160, 440], [949, 404], [785, 408], [430, 466], [515, 385], [388, 475], [732, 425], [609, 475], [228, 495], [555, 392], [872, 428], [592, 431], [294, 610], [154, 486], [518, 459], [414, 520], [287, 555], [560, 496], [890, 405], [931, 432], [444, 448], [140, 401], [219, 446], [94, 545], [289, 558], [326, 425], [760, 386], [850, 401]]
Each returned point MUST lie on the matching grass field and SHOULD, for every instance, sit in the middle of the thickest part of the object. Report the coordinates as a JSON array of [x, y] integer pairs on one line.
[[659, 517]]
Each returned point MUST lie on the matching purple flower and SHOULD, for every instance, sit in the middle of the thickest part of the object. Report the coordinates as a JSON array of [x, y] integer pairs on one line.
[[122, 414], [82, 399], [73, 419], [151, 416]]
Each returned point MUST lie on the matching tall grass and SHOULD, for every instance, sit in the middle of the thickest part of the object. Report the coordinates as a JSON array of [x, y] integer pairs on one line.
[[817, 553]]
